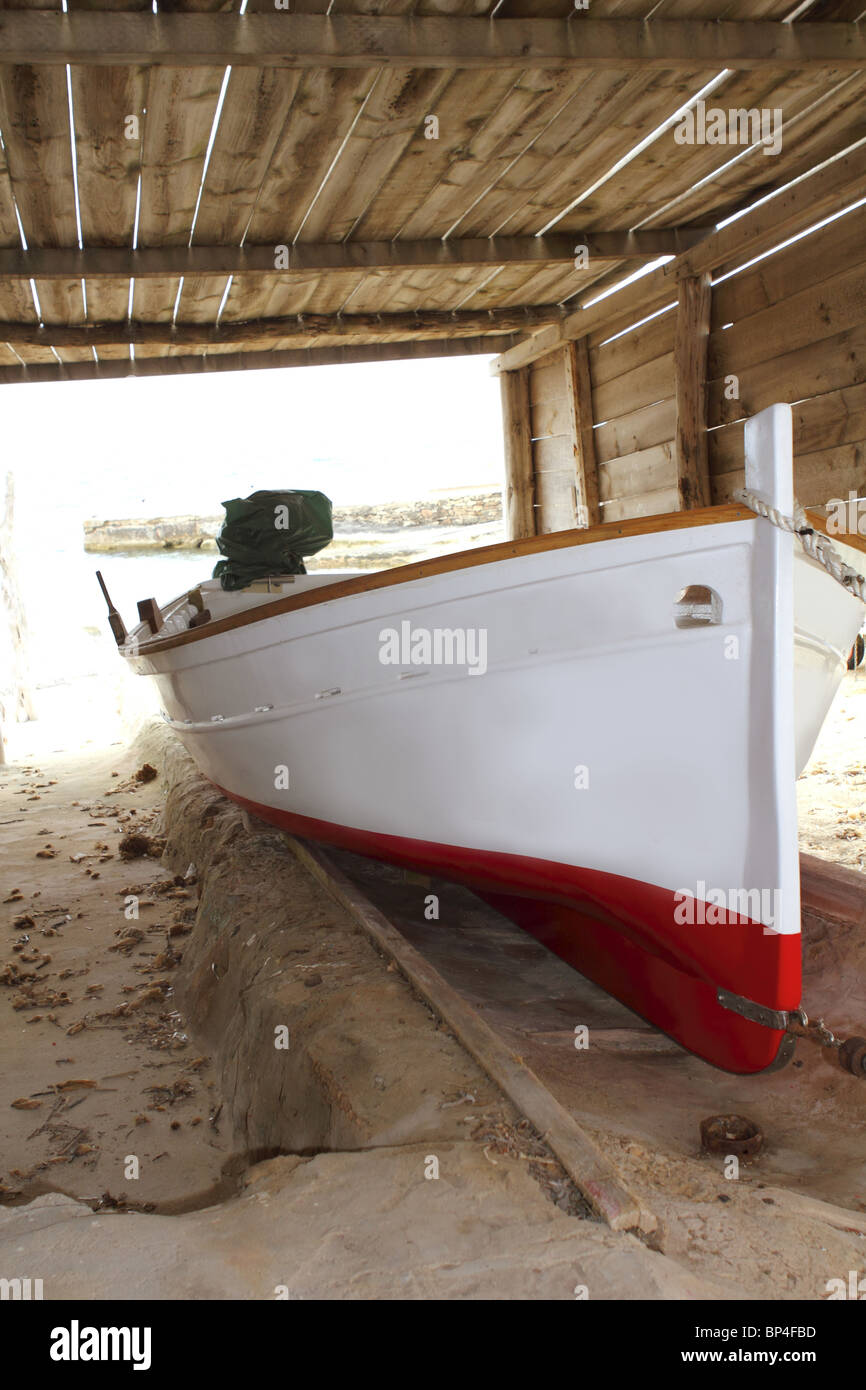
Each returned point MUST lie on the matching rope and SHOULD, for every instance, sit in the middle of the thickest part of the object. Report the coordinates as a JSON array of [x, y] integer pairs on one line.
[[819, 547]]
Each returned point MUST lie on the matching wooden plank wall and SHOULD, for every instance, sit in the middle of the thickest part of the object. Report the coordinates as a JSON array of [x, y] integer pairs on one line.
[[797, 333], [790, 328]]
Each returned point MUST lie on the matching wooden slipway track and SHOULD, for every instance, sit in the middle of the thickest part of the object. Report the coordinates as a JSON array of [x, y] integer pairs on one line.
[[520, 1011]]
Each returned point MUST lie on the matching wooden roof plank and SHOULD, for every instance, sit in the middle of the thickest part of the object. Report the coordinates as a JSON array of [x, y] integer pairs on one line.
[[34, 119], [510, 128], [615, 111], [666, 168], [257, 105], [822, 129], [325, 108], [792, 210], [391, 122]]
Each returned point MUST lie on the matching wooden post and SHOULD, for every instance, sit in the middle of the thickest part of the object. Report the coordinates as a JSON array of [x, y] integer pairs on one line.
[[690, 361], [519, 474], [21, 705], [580, 401]]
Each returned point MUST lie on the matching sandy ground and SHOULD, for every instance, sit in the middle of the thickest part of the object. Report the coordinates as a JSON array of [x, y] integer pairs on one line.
[[831, 793], [100, 1077]]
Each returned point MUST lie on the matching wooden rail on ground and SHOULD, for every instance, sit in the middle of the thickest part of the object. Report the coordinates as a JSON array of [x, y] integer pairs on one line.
[[585, 1164]]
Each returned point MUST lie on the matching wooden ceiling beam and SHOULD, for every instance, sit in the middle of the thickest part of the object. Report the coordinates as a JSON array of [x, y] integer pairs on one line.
[[411, 325], [243, 361], [304, 257], [288, 40]]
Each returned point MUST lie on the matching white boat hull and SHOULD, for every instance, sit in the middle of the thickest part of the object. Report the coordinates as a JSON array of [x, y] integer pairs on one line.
[[606, 761]]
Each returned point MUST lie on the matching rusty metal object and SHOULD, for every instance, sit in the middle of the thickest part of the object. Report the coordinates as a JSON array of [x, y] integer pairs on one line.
[[852, 1057], [731, 1134], [850, 1054]]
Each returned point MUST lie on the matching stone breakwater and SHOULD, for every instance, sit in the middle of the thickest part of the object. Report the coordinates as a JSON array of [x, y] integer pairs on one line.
[[480, 508]]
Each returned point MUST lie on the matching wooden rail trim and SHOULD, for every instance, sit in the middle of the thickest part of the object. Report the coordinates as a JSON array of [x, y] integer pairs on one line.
[[463, 559]]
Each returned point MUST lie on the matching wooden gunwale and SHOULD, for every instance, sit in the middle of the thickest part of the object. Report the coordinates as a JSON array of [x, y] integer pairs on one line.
[[468, 559]]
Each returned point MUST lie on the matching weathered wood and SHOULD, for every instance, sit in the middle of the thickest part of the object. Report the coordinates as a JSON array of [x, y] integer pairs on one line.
[[555, 454], [825, 191], [305, 328], [346, 40], [823, 422], [690, 359], [646, 470], [299, 259], [796, 268], [580, 400], [804, 317], [631, 350], [641, 429], [831, 365], [550, 417], [519, 478], [556, 493], [547, 380], [651, 382], [818, 478], [586, 1165], [641, 505], [245, 361]]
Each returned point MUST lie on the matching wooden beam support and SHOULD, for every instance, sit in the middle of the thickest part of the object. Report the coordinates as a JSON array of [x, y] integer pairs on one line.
[[305, 328], [690, 364], [243, 361], [825, 191], [519, 471], [580, 400], [289, 40], [435, 254]]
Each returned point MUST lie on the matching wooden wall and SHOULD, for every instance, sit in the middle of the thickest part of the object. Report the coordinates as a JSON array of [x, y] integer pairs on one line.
[[797, 333], [634, 405], [660, 418]]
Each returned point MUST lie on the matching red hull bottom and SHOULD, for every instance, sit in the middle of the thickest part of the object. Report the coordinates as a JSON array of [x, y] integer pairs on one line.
[[619, 932]]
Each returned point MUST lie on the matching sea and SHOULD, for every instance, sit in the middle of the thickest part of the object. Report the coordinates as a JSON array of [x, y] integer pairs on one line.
[[175, 446]]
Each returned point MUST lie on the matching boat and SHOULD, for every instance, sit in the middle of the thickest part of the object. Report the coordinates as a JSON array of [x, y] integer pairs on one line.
[[598, 730]]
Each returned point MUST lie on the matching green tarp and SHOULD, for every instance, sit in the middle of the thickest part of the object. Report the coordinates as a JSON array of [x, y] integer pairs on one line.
[[268, 532]]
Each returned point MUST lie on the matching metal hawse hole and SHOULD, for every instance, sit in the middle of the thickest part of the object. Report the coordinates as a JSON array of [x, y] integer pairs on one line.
[[697, 606]]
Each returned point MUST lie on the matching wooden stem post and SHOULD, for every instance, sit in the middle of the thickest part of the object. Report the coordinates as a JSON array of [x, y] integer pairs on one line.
[[580, 396], [519, 475], [690, 359]]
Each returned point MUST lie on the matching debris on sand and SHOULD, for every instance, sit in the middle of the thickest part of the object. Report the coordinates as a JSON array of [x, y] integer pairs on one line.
[[146, 773], [129, 938], [139, 846]]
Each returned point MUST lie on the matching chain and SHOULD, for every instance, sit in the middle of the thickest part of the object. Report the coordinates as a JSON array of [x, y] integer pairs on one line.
[[813, 1030], [850, 1054], [816, 545]]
